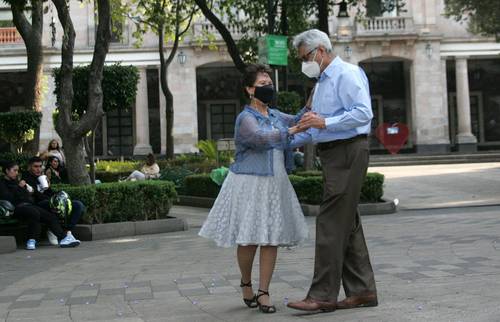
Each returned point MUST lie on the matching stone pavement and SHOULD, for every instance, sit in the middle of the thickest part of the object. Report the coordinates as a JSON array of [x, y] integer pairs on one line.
[[442, 185], [430, 265]]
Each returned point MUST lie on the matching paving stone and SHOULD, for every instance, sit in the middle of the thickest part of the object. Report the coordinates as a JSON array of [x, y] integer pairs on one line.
[[36, 291], [7, 299], [81, 300], [112, 291], [188, 280], [194, 291], [164, 288], [139, 284], [24, 304], [138, 296]]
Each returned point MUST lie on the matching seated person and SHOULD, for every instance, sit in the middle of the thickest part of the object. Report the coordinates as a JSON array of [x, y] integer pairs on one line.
[[150, 170], [20, 194], [55, 150], [43, 192], [54, 172]]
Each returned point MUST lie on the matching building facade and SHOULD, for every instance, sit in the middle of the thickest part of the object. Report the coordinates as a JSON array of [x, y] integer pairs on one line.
[[426, 71]]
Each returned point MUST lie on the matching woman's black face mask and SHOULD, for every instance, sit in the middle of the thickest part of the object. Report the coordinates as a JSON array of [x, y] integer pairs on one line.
[[265, 94]]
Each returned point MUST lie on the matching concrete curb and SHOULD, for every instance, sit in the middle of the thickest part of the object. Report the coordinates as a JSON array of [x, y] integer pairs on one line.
[[379, 208], [7, 244], [129, 228]]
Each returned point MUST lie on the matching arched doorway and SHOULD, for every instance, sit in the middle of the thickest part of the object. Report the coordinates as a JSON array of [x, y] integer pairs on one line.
[[389, 80], [220, 99]]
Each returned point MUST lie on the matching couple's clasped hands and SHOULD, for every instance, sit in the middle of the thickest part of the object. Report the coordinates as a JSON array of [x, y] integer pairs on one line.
[[308, 120]]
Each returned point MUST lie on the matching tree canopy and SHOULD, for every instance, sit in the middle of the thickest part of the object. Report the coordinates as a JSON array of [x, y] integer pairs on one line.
[[483, 16]]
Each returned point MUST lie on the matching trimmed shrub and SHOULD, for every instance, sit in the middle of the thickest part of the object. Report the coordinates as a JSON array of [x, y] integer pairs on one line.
[[111, 176], [200, 185], [373, 187], [289, 102], [124, 201], [18, 128], [309, 173], [117, 166], [176, 175], [309, 188]]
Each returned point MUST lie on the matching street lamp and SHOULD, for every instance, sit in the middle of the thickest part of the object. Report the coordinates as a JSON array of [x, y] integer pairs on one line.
[[428, 50], [181, 57], [348, 51]]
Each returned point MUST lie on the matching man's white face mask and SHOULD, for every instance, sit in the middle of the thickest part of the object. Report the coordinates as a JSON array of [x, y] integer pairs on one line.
[[311, 68]]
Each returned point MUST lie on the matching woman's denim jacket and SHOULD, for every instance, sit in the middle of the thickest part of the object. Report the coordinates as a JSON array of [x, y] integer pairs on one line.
[[256, 136]]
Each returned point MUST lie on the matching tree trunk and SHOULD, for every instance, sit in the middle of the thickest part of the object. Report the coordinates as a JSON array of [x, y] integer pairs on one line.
[[32, 37], [90, 149], [73, 132], [169, 99], [323, 16], [75, 160], [225, 33], [35, 58]]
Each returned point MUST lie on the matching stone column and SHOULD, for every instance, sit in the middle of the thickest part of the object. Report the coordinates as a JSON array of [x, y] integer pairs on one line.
[[47, 126], [142, 146], [465, 139], [429, 113]]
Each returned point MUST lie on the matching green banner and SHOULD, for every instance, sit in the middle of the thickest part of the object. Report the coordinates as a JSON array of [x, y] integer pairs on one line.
[[273, 50]]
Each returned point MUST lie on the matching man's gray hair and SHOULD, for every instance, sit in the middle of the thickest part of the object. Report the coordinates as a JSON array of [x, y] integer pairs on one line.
[[311, 39]]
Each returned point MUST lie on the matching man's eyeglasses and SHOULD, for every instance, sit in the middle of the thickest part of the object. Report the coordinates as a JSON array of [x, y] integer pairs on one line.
[[305, 58]]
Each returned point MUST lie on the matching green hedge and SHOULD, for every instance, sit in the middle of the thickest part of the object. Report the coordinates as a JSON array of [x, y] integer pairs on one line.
[[309, 189], [105, 176], [124, 201], [117, 166], [19, 127], [200, 185]]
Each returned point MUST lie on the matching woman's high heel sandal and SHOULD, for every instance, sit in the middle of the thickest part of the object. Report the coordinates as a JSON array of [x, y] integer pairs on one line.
[[251, 303], [264, 308]]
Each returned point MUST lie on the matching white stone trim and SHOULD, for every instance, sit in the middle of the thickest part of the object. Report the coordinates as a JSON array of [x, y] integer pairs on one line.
[[470, 49]]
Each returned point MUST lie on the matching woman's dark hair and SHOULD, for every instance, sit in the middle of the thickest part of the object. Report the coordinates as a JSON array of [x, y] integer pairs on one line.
[[150, 159], [50, 159], [250, 75], [7, 165]]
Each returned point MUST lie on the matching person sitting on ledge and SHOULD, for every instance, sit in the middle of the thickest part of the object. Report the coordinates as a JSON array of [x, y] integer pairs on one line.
[[20, 194], [150, 170], [43, 192], [54, 171]]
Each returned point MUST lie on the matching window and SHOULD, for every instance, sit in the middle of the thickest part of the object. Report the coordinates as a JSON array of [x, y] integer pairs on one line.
[[221, 120], [120, 132]]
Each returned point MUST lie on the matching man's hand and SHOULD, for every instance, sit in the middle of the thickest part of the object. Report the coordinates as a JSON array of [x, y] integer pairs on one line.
[[311, 119], [22, 183]]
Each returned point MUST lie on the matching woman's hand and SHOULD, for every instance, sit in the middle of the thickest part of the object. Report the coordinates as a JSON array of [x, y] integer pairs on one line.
[[22, 183], [311, 119], [296, 129]]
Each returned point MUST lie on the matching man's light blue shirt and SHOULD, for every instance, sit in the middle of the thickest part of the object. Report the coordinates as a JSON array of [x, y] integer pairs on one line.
[[342, 97]]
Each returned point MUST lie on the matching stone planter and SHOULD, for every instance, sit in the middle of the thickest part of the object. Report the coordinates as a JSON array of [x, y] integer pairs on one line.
[[129, 228], [7, 244], [379, 208]]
